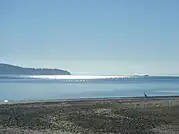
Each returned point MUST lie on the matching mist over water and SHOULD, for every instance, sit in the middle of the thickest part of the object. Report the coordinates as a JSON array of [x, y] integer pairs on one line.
[[70, 87]]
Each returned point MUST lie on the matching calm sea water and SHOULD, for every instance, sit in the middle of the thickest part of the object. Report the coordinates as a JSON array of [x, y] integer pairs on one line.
[[67, 87]]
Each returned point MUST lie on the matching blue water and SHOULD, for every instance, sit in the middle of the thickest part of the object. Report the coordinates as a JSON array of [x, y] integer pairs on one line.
[[18, 88]]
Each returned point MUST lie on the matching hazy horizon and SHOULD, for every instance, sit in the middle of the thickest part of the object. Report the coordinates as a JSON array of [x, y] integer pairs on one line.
[[92, 37], [96, 74]]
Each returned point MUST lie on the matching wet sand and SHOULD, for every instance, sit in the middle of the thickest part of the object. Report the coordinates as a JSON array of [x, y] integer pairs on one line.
[[92, 116]]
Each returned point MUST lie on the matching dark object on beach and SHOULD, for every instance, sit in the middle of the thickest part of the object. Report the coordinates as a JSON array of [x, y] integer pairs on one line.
[[145, 95]]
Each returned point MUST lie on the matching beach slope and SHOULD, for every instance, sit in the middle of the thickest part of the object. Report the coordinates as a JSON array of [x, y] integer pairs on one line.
[[155, 115]]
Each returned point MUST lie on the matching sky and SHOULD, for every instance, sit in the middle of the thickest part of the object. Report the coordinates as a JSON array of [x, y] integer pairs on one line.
[[91, 37]]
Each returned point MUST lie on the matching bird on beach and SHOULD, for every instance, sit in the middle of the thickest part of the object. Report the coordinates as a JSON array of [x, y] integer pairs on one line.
[[145, 95]]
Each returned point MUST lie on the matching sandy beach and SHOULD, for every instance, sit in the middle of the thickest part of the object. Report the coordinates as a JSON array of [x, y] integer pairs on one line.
[[92, 116]]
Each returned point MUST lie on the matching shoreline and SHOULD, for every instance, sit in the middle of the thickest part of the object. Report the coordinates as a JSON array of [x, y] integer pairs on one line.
[[122, 99]]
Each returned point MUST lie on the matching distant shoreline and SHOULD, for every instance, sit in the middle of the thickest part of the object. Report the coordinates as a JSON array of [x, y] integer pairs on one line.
[[7, 69]]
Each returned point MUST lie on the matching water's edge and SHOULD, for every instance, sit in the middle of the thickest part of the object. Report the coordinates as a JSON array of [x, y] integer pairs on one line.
[[153, 98]]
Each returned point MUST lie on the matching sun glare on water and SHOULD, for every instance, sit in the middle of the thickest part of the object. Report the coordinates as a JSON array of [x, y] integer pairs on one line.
[[75, 77]]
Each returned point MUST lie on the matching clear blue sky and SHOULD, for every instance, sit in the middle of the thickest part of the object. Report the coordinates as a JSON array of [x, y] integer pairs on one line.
[[92, 36]]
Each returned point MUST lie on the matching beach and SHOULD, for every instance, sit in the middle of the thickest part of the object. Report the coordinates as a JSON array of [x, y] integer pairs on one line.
[[92, 116]]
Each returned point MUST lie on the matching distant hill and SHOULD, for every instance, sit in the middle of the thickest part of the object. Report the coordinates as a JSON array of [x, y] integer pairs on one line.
[[6, 69]]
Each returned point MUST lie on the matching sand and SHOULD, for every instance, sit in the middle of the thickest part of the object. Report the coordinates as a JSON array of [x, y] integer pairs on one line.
[[91, 116]]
